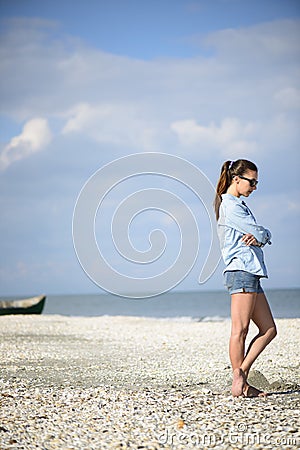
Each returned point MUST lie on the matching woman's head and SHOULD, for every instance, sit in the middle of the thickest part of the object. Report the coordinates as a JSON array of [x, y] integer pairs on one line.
[[238, 177]]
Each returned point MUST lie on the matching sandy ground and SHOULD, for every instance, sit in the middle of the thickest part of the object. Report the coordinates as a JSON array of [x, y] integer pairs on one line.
[[126, 382]]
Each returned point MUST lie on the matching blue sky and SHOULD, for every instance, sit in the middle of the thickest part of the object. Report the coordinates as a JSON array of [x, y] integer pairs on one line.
[[87, 82]]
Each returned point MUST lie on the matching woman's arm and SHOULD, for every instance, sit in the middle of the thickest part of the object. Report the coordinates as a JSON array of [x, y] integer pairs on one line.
[[241, 219]]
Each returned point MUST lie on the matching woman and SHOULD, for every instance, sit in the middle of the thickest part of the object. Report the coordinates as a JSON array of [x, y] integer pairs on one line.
[[241, 243]]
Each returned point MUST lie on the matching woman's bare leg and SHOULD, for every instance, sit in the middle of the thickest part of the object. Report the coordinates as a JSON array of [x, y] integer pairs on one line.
[[263, 319], [246, 306], [242, 307]]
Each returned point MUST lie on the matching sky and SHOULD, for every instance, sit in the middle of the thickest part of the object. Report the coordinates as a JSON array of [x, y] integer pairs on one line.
[[85, 83]]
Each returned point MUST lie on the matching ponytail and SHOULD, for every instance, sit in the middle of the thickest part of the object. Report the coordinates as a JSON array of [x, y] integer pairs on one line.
[[229, 170], [222, 186]]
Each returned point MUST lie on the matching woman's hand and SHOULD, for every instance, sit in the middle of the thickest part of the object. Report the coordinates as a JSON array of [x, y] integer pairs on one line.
[[249, 239]]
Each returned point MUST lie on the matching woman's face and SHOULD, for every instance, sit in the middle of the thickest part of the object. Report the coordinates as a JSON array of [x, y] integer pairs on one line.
[[246, 187]]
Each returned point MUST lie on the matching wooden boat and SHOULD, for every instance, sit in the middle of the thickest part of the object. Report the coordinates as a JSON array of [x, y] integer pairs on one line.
[[33, 305]]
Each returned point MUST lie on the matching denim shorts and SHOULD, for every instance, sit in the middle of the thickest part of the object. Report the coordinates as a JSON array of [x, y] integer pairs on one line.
[[240, 281]]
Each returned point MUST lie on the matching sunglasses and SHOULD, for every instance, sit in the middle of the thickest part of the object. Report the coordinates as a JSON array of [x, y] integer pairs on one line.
[[253, 182]]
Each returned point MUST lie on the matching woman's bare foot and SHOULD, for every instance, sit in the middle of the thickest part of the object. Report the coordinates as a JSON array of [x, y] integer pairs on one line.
[[238, 382], [250, 392]]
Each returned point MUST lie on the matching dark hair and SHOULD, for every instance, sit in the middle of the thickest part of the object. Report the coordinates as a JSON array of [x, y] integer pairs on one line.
[[229, 170]]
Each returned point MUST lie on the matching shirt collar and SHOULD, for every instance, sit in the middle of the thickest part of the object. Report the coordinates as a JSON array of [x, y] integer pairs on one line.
[[233, 198]]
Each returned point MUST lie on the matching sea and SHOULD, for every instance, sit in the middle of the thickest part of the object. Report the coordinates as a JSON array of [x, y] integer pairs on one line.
[[175, 305]]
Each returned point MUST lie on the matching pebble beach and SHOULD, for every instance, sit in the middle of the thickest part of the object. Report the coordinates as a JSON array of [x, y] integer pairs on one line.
[[115, 382]]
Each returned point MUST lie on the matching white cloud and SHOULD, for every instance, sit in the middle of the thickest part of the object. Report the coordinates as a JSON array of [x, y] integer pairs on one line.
[[117, 124], [132, 103], [34, 137], [231, 138]]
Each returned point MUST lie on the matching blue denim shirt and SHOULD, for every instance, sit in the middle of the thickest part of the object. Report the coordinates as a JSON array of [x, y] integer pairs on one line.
[[235, 220]]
